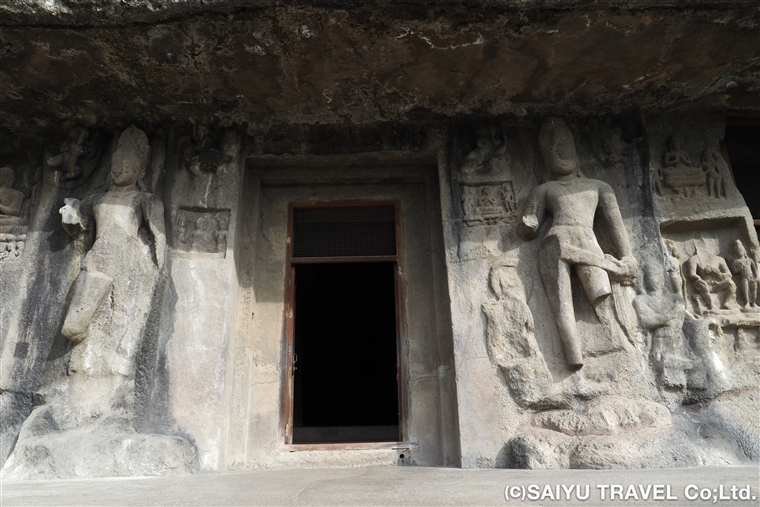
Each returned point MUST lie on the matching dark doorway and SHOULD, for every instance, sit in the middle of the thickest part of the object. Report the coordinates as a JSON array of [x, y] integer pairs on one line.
[[345, 386]]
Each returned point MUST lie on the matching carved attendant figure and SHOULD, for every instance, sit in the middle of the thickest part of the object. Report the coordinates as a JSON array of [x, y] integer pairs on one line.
[[119, 264], [662, 314], [223, 224], [746, 269], [673, 262], [573, 201]]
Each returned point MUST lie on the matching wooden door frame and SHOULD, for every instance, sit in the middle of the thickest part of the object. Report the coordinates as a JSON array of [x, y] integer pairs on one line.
[[287, 384]]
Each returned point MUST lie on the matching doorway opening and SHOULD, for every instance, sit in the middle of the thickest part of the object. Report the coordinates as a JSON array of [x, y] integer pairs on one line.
[[344, 326]]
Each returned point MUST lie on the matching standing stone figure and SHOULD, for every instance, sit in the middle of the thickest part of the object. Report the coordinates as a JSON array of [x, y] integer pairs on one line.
[[112, 294], [510, 321], [745, 268], [573, 201], [674, 259], [710, 163], [662, 314], [511, 343]]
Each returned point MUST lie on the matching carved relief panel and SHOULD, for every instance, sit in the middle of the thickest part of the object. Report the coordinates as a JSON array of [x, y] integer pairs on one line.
[[201, 230], [679, 176], [486, 182], [16, 201]]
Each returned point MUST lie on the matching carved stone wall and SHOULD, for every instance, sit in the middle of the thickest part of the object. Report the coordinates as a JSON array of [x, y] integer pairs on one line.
[[657, 310], [580, 273]]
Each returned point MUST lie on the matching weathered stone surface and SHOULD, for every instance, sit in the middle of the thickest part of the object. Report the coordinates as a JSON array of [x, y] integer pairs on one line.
[[117, 63], [608, 432], [574, 291]]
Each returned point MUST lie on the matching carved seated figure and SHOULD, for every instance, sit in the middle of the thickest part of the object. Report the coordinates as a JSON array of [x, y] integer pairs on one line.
[[11, 199], [203, 237], [745, 268], [711, 278], [679, 172]]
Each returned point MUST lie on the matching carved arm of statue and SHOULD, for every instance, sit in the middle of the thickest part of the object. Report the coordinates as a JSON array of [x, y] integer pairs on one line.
[[153, 214], [725, 273], [533, 215], [690, 271], [610, 212]]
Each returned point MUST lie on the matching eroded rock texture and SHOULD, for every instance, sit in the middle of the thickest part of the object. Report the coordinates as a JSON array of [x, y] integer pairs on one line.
[[581, 271]]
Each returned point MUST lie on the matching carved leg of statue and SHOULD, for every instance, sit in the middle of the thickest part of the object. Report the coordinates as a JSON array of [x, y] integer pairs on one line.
[[745, 292], [753, 293], [727, 295], [555, 274], [90, 289], [704, 291]]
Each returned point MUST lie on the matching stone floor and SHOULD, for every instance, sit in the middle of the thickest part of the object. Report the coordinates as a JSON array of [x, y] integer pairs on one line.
[[393, 486]]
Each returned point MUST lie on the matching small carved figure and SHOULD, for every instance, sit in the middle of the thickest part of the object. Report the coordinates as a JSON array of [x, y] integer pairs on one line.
[[19, 248], [76, 159], [487, 202], [182, 229], [613, 149], [118, 263], [507, 195], [573, 201], [70, 151], [200, 156], [745, 268], [11, 199], [674, 259], [662, 315], [476, 160], [710, 163], [203, 236], [510, 321], [223, 224], [679, 172], [710, 276]]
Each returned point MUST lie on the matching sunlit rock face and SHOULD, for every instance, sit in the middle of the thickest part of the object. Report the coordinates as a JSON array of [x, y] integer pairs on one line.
[[575, 270]]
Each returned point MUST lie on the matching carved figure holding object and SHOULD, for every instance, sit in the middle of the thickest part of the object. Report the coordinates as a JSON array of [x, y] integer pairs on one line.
[[573, 201], [709, 275], [119, 263]]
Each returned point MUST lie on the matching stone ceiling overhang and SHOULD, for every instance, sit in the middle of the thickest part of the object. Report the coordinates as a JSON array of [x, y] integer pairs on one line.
[[261, 63]]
